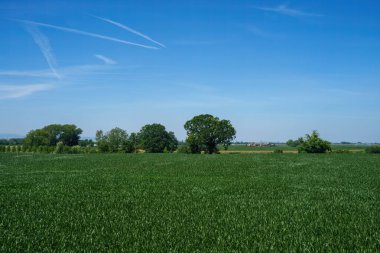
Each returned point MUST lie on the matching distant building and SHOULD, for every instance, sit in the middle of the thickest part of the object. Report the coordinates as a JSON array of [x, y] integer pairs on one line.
[[260, 144]]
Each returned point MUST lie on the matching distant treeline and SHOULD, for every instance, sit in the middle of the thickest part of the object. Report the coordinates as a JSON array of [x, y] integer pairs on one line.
[[12, 141], [205, 133]]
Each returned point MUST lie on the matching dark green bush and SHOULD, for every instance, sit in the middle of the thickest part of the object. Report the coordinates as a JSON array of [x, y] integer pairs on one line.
[[313, 144], [375, 149], [278, 151]]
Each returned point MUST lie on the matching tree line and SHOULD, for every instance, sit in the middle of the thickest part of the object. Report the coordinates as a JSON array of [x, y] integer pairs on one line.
[[205, 133]]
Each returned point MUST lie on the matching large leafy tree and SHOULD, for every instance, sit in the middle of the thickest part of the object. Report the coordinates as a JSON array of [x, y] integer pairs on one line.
[[38, 137], [50, 135], [313, 144], [205, 132], [154, 138]]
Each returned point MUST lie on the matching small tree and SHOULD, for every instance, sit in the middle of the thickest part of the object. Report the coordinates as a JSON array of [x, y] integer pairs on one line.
[[205, 132], [112, 141], [313, 144]]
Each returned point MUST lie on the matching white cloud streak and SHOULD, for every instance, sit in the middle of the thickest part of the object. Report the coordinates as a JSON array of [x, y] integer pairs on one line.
[[28, 73], [89, 34], [43, 43], [130, 30], [285, 10], [105, 59], [13, 91]]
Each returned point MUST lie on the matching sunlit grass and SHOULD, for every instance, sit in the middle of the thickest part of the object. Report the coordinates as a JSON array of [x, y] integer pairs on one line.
[[173, 202]]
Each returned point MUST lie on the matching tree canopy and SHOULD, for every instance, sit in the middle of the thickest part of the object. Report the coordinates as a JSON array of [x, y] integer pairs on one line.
[[154, 138], [112, 141], [50, 135], [205, 132]]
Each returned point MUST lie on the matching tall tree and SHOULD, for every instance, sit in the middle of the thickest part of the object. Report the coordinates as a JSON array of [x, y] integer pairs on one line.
[[154, 138], [205, 132]]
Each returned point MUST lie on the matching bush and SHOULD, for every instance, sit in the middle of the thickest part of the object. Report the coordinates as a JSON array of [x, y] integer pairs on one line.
[[278, 151], [313, 144], [184, 149], [373, 149], [75, 150], [59, 148]]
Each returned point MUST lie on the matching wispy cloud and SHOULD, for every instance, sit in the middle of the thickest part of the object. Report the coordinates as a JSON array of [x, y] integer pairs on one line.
[[95, 35], [43, 43], [130, 30], [198, 42], [285, 10], [27, 73], [17, 91], [105, 59]]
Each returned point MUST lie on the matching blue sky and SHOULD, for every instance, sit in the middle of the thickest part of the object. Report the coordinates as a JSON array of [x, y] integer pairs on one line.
[[276, 69]]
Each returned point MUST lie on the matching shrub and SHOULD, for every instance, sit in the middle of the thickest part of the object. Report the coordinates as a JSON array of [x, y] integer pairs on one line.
[[75, 149], [373, 149], [278, 151], [59, 148], [184, 149], [313, 144]]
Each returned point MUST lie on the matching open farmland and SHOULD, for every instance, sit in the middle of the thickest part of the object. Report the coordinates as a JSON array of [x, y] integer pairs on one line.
[[173, 202]]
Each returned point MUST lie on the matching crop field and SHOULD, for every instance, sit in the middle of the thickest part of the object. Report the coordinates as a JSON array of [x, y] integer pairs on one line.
[[189, 203]]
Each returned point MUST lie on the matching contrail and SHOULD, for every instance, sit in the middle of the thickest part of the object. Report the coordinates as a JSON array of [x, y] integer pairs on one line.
[[16, 91], [95, 35], [105, 59], [130, 30], [43, 43]]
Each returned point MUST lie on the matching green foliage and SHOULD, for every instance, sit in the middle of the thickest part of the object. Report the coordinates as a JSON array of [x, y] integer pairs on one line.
[[38, 137], [76, 150], [12, 141], [205, 132], [313, 144], [184, 149], [294, 143], [278, 151], [52, 134], [189, 203], [86, 143], [59, 149], [131, 145], [375, 149], [113, 141], [154, 138]]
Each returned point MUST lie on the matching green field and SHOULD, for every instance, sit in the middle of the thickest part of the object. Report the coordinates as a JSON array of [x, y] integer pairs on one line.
[[190, 203]]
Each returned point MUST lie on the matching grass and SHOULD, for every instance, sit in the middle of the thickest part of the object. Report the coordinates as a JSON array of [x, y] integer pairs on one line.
[[190, 203]]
